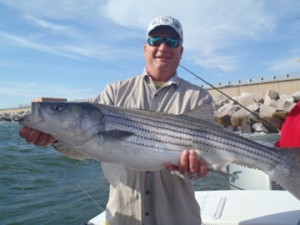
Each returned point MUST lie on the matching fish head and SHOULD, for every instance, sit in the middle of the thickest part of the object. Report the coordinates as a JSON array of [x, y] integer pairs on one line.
[[72, 122]]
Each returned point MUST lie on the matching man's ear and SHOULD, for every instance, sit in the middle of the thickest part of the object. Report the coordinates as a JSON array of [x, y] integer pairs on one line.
[[145, 49], [181, 52]]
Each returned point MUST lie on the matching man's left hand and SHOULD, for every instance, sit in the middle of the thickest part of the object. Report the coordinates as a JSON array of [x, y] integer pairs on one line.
[[189, 165]]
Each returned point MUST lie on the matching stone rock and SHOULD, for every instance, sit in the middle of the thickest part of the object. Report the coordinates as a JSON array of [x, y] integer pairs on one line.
[[223, 121], [228, 109], [284, 105], [269, 96], [296, 96], [272, 94], [280, 115], [276, 125], [246, 126], [287, 98], [220, 101], [260, 128], [247, 99], [266, 111], [13, 116], [238, 116], [254, 107]]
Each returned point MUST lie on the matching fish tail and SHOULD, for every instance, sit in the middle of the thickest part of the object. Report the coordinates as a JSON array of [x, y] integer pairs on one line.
[[287, 172]]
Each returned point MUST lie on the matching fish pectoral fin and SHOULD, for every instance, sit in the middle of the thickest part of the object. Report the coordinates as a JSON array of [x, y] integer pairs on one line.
[[116, 134], [114, 173]]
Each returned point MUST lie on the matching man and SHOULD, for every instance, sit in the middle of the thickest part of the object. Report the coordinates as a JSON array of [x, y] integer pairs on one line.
[[167, 196]]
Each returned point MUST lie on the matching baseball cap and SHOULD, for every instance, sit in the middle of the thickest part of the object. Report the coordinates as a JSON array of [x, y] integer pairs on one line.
[[166, 21]]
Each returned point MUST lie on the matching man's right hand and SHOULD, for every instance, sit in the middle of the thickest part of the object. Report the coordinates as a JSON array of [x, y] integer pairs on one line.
[[36, 137]]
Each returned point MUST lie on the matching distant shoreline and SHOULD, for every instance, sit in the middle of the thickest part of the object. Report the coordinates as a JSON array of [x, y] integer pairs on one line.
[[15, 110]]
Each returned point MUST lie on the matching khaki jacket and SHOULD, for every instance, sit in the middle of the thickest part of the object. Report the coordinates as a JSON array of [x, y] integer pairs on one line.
[[154, 198]]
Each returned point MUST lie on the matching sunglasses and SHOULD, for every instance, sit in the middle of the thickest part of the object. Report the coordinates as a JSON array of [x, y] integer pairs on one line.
[[170, 41]]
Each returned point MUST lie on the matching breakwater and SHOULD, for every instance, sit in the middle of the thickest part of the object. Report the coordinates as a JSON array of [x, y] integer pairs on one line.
[[271, 107], [13, 115]]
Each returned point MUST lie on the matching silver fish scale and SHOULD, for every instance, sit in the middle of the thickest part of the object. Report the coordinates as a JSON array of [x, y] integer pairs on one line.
[[182, 132]]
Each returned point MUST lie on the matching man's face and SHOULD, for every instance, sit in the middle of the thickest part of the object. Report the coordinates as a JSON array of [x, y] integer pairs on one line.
[[162, 61]]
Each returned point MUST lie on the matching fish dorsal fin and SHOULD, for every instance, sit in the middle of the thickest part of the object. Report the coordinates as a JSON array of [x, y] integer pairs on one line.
[[204, 112], [116, 134]]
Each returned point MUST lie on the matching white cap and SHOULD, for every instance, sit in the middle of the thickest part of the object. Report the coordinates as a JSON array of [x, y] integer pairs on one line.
[[166, 21]]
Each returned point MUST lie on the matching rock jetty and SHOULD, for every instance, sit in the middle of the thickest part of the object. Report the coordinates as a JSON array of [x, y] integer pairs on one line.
[[272, 107], [13, 115]]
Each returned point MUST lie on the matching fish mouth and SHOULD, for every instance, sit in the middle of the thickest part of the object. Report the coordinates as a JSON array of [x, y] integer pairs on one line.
[[28, 121], [23, 119], [34, 117]]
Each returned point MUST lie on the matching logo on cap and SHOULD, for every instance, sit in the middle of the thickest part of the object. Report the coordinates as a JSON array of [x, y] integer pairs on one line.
[[166, 21]]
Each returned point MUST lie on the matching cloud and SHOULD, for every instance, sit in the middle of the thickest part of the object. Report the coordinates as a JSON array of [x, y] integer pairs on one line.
[[213, 30], [290, 64], [210, 28], [218, 64], [74, 49], [32, 44], [53, 27], [57, 9], [35, 89], [69, 29]]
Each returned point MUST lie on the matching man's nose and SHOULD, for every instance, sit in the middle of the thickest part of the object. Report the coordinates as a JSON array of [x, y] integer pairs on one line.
[[163, 46]]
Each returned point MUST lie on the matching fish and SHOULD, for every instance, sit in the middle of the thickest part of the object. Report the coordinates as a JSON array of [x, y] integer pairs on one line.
[[145, 140]]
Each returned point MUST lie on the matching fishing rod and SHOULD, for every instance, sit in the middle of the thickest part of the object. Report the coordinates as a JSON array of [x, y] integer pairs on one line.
[[215, 88]]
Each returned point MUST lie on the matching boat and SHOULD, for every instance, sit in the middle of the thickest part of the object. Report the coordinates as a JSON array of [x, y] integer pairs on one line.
[[236, 207], [257, 201]]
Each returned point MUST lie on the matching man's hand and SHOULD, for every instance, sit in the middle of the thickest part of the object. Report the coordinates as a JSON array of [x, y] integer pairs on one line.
[[190, 165], [36, 137]]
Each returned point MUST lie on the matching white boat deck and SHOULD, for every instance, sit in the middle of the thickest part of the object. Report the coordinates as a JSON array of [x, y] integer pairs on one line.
[[242, 208]]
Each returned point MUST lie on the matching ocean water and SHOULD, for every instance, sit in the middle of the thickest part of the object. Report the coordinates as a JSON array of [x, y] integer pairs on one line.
[[39, 186]]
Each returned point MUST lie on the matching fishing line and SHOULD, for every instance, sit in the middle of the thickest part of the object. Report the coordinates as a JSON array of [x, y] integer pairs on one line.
[[227, 96], [85, 192]]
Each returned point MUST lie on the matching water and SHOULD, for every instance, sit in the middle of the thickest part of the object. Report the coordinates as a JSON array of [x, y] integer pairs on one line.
[[41, 186]]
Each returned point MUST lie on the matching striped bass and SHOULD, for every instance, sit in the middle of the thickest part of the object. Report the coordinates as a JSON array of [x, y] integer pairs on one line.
[[146, 141]]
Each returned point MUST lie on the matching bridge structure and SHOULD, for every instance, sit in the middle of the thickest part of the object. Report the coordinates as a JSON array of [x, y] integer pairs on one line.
[[285, 85]]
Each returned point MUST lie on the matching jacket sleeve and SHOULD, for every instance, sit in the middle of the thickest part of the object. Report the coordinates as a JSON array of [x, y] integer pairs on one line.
[[107, 96]]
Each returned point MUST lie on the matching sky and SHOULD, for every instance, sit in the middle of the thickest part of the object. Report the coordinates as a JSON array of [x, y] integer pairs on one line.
[[73, 48]]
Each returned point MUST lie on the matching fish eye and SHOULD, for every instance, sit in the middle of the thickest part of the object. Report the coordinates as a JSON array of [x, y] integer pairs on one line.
[[58, 107]]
